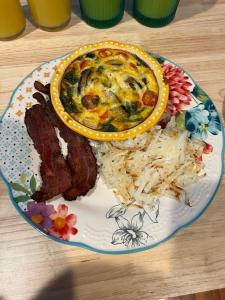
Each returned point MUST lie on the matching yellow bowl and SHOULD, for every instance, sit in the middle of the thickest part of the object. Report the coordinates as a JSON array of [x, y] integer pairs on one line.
[[150, 121]]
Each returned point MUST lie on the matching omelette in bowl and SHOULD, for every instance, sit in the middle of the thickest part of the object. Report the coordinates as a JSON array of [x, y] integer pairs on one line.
[[109, 90]]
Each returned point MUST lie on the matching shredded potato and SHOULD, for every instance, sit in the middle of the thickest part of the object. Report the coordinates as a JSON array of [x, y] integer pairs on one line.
[[162, 162]]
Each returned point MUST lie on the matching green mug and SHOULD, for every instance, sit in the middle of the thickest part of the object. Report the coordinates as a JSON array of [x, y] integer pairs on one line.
[[155, 13], [102, 13]]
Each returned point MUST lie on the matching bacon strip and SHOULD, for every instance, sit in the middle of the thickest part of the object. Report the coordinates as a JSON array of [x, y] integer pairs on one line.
[[54, 170], [80, 158]]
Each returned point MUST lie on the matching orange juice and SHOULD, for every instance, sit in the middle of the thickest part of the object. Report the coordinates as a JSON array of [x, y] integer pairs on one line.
[[50, 14], [12, 19]]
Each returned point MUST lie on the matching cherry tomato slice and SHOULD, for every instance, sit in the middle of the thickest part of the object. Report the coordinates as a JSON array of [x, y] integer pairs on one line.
[[104, 116], [133, 66], [84, 64], [104, 53], [149, 98]]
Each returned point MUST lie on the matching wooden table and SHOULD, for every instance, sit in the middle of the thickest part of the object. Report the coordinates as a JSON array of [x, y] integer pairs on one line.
[[31, 266]]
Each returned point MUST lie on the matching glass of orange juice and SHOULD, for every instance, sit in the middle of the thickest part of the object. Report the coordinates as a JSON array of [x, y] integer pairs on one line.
[[50, 14], [12, 19]]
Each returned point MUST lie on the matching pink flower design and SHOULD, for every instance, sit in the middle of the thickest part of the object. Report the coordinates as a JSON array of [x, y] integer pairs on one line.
[[179, 84], [62, 223], [208, 149]]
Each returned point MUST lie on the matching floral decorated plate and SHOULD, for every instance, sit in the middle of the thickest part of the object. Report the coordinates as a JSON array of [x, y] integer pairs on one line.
[[97, 221]]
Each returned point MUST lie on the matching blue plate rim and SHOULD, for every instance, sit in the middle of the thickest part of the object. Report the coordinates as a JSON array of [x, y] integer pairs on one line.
[[85, 246]]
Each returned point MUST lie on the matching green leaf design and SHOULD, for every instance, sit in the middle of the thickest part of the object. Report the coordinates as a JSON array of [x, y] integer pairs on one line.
[[23, 178], [200, 94], [159, 58], [17, 187], [180, 120], [33, 184], [22, 198]]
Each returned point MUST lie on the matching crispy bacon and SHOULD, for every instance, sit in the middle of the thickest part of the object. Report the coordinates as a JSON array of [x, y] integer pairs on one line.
[[55, 173], [42, 88], [80, 158]]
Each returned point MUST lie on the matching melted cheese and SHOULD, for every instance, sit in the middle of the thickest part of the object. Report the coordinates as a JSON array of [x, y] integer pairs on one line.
[[109, 90]]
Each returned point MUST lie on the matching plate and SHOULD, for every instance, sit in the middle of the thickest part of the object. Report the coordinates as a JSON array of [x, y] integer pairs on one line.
[[97, 221]]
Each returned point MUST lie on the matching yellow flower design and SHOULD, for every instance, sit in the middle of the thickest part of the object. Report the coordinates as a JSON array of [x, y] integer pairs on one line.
[[20, 97], [19, 113]]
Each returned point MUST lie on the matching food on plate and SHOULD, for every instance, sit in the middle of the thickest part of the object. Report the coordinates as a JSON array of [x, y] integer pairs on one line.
[[161, 162], [80, 158], [55, 173], [110, 93], [45, 89], [109, 90]]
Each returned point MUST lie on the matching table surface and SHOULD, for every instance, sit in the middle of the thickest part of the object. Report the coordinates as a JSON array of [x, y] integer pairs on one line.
[[31, 266]]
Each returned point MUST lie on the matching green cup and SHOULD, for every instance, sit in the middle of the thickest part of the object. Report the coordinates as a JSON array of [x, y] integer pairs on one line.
[[102, 13], [155, 13]]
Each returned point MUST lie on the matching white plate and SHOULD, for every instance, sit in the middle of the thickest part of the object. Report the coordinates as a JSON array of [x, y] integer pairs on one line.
[[97, 221]]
